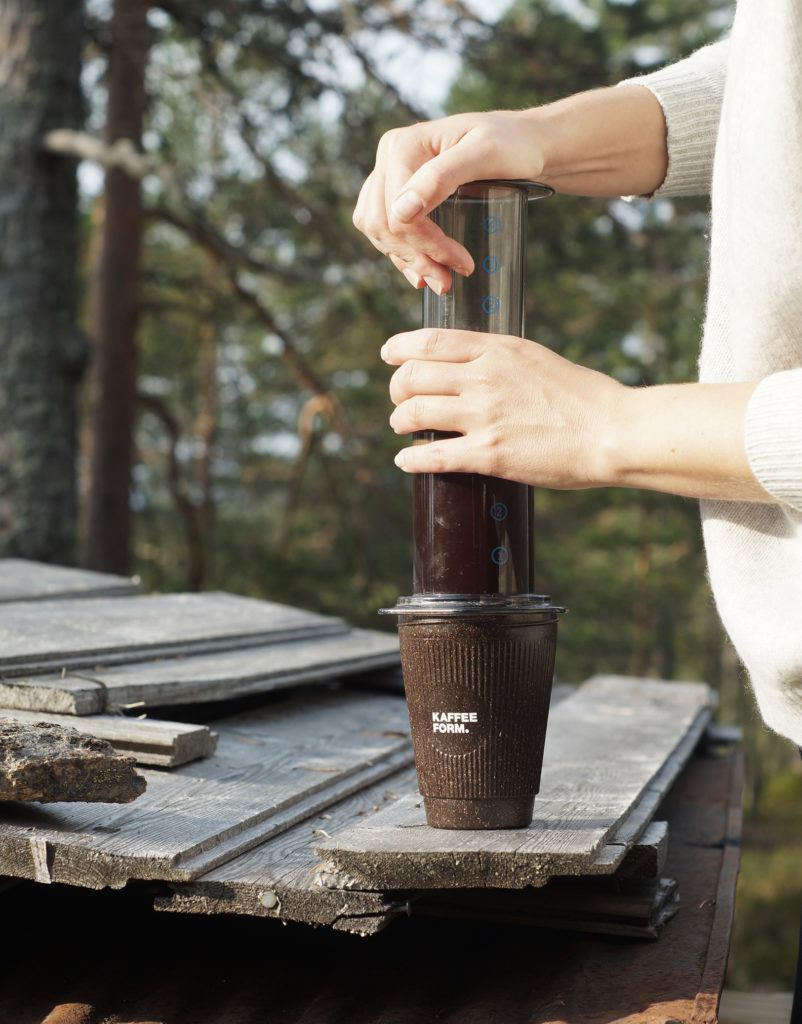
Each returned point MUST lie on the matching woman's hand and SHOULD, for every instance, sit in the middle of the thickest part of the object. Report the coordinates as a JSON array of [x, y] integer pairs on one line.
[[523, 412], [420, 166], [607, 142]]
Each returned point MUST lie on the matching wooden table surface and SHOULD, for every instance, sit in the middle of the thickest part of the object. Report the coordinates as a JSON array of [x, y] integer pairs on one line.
[[110, 956]]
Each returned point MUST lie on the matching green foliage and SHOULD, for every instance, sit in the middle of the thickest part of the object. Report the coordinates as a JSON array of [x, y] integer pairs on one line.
[[768, 903]]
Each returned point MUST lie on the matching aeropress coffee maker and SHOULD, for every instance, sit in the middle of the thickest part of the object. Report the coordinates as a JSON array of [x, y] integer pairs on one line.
[[477, 646]]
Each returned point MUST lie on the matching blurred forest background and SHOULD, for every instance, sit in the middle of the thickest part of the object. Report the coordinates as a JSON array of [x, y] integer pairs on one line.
[[190, 386]]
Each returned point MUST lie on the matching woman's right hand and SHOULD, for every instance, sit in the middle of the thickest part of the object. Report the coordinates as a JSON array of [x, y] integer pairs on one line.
[[420, 166]]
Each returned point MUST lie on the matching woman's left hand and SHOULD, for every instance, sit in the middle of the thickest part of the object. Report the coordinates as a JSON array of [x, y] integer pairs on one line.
[[522, 412]]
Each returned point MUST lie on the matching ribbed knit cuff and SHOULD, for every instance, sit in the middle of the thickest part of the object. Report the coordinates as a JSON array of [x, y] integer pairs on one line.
[[773, 435], [690, 93]]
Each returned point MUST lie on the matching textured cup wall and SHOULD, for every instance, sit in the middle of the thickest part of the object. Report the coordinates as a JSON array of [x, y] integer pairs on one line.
[[478, 691]]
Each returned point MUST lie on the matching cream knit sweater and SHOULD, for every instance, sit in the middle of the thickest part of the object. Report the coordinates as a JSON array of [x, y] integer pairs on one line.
[[733, 112]]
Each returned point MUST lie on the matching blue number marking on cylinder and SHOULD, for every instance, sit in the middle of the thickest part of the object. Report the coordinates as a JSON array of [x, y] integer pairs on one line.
[[491, 225], [499, 556], [491, 264], [499, 511], [491, 304]]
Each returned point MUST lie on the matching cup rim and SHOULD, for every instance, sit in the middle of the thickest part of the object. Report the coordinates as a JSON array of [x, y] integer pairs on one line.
[[462, 604], [533, 189]]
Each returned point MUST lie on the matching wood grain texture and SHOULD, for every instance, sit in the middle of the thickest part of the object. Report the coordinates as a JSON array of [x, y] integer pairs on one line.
[[646, 857], [238, 673], [606, 746], [58, 694], [53, 635], [202, 677], [46, 763], [149, 741], [272, 768], [23, 580], [281, 879]]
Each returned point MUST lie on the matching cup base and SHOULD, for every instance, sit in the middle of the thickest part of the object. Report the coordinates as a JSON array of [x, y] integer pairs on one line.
[[496, 812]]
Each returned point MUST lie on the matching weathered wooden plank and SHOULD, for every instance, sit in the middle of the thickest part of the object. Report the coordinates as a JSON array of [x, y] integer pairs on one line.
[[636, 821], [283, 878], [280, 878], [51, 635], [21, 580], [272, 768], [56, 693], [646, 857], [149, 740], [636, 908], [238, 673], [606, 745], [204, 677], [47, 763]]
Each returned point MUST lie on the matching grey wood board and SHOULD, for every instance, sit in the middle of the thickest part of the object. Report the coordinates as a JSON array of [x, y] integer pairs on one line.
[[283, 878], [60, 694], [634, 823], [239, 673], [272, 768], [198, 678], [149, 740], [605, 747], [42, 635], [280, 879], [646, 858], [23, 580], [635, 908]]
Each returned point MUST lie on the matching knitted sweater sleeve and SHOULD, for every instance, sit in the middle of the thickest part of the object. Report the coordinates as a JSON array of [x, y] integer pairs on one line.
[[773, 436], [690, 93]]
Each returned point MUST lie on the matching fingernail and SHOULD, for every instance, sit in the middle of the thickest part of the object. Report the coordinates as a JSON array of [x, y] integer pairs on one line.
[[412, 277], [383, 351], [407, 205], [436, 286], [400, 459]]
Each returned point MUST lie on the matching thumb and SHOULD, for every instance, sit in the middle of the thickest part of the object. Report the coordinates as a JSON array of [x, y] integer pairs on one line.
[[435, 180]]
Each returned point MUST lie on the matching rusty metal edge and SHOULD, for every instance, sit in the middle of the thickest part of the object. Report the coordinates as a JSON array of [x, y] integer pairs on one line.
[[705, 1007]]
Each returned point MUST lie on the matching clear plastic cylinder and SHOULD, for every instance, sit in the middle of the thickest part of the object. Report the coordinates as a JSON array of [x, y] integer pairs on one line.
[[475, 534]]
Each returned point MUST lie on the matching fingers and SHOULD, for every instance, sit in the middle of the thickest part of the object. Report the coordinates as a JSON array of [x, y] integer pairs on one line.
[[436, 412], [435, 179], [426, 238], [403, 155], [447, 346], [411, 275], [370, 218], [452, 455], [425, 378]]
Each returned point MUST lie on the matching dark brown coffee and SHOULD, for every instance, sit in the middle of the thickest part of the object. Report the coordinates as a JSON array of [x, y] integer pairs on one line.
[[472, 535]]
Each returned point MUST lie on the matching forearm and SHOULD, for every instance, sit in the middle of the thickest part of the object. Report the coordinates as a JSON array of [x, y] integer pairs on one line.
[[607, 142], [683, 439]]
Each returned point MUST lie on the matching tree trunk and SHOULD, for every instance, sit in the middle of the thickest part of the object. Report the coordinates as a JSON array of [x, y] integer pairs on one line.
[[114, 305], [41, 349]]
